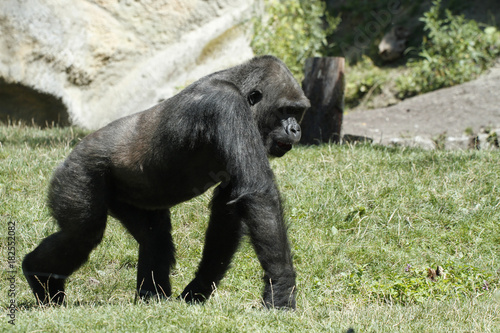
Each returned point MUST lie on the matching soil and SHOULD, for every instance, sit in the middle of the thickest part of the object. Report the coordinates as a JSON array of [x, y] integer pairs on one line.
[[446, 114]]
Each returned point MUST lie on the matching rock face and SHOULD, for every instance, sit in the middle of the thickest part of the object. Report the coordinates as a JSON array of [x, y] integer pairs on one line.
[[89, 62], [463, 116]]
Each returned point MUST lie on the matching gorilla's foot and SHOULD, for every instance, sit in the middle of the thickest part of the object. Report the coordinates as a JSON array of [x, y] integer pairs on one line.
[[147, 296], [280, 293], [197, 292], [47, 288]]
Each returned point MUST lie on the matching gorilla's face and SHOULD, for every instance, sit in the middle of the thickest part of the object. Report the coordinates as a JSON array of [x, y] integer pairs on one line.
[[276, 101], [277, 118], [284, 134]]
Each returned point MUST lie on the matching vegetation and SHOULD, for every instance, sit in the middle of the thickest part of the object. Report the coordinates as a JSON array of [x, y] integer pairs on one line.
[[456, 50], [365, 223], [364, 23], [293, 30], [444, 50], [363, 80]]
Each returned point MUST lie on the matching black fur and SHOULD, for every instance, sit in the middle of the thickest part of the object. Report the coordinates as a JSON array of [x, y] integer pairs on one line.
[[220, 129]]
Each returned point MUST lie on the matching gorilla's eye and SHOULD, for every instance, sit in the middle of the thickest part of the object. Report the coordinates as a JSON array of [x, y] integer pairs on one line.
[[254, 97]]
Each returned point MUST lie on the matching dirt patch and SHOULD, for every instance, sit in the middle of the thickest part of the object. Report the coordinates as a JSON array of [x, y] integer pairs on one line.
[[443, 116]]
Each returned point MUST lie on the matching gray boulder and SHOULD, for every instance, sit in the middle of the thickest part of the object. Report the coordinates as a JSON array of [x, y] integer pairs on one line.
[[89, 62]]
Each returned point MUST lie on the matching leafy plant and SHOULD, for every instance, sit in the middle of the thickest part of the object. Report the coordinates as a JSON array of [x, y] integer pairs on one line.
[[293, 30], [457, 50], [412, 284], [363, 81]]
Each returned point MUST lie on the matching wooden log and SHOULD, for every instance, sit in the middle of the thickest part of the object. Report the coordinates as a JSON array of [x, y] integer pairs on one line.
[[324, 86]]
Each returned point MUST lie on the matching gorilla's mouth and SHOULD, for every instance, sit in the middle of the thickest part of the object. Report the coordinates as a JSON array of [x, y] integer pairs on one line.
[[284, 146]]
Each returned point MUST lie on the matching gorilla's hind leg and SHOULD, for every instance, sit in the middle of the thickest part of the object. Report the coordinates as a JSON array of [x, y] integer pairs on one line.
[[152, 230], [48, 266]]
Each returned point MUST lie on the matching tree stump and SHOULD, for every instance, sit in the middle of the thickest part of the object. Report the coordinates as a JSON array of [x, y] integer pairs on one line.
[[324, 86]]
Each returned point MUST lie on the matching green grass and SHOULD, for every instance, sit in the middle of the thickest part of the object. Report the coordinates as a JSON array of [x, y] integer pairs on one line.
[[358, 216]]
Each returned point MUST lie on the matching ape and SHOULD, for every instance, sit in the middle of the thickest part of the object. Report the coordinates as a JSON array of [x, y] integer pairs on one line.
[[220, 130]]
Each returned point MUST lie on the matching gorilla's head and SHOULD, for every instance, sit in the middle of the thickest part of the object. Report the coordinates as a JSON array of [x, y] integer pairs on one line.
[[277, 101]]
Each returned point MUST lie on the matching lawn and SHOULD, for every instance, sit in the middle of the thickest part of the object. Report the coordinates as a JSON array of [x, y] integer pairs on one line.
[[366, 224]]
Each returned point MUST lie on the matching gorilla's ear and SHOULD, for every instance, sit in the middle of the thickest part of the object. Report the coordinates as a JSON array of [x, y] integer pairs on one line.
[[254, 97]]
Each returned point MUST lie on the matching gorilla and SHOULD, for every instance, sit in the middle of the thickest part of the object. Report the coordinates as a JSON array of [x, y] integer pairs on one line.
[[219, 130]]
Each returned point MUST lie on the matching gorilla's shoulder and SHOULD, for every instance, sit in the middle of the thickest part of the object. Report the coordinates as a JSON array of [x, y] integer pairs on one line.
[[213, 90]]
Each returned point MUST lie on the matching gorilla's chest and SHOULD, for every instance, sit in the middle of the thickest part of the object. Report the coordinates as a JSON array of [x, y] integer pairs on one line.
[[178, 180]]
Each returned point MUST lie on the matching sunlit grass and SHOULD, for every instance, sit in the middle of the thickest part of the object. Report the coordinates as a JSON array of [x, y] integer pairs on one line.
[[358, 216]]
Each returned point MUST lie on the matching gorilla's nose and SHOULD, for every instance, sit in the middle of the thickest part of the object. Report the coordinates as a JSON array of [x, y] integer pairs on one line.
[[293, 131]]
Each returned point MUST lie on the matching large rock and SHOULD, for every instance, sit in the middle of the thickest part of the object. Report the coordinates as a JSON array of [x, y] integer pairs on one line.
[[436, 119], [98, 60]]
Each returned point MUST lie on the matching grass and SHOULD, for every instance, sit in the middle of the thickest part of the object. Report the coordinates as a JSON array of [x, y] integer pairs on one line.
[[358, 216]]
